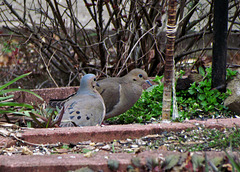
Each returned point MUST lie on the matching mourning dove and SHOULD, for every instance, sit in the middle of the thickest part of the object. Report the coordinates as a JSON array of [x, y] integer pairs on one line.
[[86, 107], [119, 93]]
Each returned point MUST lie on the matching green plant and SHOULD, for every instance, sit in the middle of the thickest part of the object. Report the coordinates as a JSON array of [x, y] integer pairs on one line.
[[231, 73], [215, 139], [43, 117], [113, 165], [147, 107], [201, 100], [6, 104], [10, 46], [235, 164]]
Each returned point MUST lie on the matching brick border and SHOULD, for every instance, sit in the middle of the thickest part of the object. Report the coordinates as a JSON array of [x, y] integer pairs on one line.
[[98, 161], [111, 132], [65, 162]]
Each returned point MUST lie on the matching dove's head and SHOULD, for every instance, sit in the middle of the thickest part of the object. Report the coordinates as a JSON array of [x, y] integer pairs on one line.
[[87, 84], [137, 76]]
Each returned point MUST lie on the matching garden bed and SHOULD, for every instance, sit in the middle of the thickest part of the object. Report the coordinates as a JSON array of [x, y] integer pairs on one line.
[[63, 149], [155, 146]]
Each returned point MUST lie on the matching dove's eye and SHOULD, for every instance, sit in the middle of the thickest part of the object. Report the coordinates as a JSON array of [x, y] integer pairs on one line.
[[94, 79], [140, 75]]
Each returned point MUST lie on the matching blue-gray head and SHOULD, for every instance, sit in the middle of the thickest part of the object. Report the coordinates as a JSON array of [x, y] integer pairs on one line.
[[88, 82]]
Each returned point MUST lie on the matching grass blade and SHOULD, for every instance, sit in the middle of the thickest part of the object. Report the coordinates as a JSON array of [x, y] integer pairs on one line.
[[14, 80], [6, 98], [15, 104], [235, 165], [33, 116], [19, 89]]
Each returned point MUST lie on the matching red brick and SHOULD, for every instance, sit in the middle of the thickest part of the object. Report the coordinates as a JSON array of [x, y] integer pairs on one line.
[[97, 133], [99, 160], [6, 142], [46, 94], [111, 132], [65, 162]]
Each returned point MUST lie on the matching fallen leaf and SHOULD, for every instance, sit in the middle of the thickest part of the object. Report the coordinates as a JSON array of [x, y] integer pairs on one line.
[[26, 151]]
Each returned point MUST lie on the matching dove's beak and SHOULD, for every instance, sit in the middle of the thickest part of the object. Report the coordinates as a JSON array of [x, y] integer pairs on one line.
[[148, 82]]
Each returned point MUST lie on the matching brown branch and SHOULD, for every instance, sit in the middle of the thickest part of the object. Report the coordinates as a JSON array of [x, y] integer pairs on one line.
[[178, 57], [191, 36], [16, 14], [236, 14], [187, 18]]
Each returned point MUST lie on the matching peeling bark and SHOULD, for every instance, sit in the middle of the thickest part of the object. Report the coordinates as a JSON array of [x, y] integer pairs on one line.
[[169, 61]]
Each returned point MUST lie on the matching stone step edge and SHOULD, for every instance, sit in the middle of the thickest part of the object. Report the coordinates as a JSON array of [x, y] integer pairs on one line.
[[97, 162], [117, 132]]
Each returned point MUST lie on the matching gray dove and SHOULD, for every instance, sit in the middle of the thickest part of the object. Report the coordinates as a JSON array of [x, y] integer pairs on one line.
[[86, 107]]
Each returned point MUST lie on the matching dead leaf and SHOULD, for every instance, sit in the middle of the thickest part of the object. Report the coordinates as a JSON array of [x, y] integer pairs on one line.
[[88, 154], [26, 151]]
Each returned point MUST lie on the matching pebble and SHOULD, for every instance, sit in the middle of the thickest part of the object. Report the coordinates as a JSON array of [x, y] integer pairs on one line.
[[123, 141], [134, 146], [106, 147], [129, 140], [128, 150], [92, 144], [88, 154], [141, 142], [99, 144], [166, 140], [85, 142], [38, 153], [89, 147]]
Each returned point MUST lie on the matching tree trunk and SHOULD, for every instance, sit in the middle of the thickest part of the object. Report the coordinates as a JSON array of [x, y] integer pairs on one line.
[[220, 23], [169, 61]]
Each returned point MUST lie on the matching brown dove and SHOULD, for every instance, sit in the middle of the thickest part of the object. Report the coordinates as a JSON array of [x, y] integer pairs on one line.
[[86, 107], [119, 93]]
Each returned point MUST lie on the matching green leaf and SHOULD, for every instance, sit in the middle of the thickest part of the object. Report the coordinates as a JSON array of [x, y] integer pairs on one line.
[[6, 98], [158, 79], [113, 165], [65, 147], [29, 124], [217, 161], [84, 150], [33, 116], [136, 161], [19, 89], [26, 113], [15, 104], [204, 103], [170, 161], [191, 91], [197, 162], [5, 111], [14, 80], [237, 166], [201, 97], [201, 71], [151, 88], [13, 112]]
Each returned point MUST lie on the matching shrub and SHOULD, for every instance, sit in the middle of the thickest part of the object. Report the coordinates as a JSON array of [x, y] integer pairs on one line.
[[15, 108], [198, 101]]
